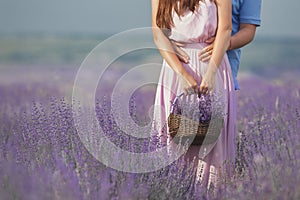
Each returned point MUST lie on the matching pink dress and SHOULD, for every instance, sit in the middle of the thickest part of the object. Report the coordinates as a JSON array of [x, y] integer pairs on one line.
[[194, 29]]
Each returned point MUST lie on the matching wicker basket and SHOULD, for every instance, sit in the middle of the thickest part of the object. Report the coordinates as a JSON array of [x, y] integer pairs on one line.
[[182, 128]]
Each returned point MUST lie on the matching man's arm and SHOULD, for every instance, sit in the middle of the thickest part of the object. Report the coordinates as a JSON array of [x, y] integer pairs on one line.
[[244, 36], [249, 19]]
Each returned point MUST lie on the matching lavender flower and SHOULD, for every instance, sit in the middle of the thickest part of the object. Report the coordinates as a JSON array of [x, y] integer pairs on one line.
[[42, 157]]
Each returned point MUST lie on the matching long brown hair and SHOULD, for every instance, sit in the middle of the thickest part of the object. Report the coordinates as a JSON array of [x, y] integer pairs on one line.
[[164, 14]]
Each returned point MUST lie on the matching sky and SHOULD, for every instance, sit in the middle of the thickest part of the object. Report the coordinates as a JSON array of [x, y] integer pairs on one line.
[[279, 18]]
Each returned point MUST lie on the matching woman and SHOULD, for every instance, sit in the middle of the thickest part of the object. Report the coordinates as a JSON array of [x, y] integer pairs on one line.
[[192, 22]]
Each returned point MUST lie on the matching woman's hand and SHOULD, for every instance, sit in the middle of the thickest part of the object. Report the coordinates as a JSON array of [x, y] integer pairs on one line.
[[205, 54], [208, 81], [189, 84]]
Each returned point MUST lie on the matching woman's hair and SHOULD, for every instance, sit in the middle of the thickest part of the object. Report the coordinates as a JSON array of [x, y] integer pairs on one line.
[[165, 7]]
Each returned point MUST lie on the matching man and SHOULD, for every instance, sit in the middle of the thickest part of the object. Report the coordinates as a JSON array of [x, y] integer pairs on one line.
[[245, 19]]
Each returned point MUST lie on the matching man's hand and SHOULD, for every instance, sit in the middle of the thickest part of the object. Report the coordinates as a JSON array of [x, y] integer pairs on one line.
[[181, 54], [205, 53]]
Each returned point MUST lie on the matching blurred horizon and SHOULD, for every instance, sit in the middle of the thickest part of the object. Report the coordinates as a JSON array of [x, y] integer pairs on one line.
[[70, 49], [107, 34]]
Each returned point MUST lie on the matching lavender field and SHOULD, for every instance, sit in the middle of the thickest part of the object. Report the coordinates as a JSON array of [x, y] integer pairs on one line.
[[42, 156]]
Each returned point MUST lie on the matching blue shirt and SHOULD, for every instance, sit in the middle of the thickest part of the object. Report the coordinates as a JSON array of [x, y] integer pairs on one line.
[[247, 12]]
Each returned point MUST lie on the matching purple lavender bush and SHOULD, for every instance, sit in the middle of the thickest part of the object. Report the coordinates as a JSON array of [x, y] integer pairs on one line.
[[42, 156]]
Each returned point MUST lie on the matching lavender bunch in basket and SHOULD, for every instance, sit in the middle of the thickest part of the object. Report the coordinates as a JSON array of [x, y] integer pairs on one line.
[[211, 107], [202, 110], [205, 108]]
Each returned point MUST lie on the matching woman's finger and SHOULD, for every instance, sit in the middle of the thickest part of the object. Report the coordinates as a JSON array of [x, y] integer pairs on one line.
[[203, 87], [195, 89]]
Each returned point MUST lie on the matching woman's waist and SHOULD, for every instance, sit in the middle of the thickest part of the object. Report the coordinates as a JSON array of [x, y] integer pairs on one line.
[[191, 45]]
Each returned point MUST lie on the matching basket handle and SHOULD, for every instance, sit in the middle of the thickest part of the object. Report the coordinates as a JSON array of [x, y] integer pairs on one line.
[[174, 102]]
